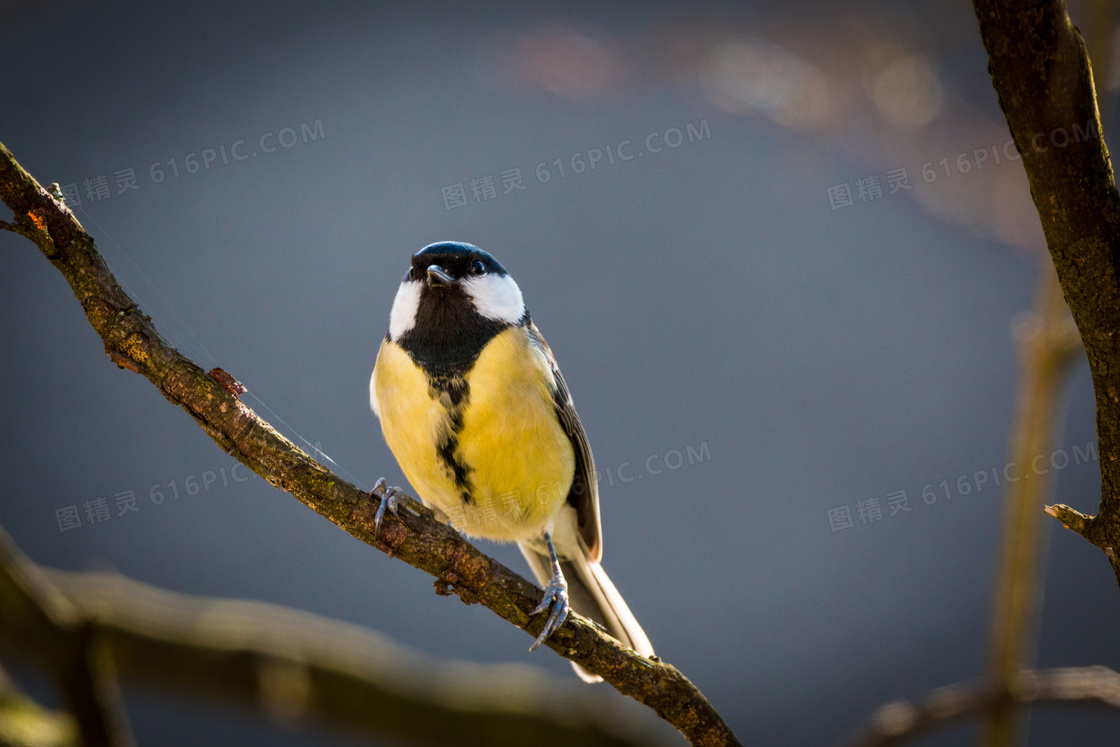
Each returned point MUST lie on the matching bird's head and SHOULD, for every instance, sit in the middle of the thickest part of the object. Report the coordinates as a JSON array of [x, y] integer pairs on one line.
[[451, 283]]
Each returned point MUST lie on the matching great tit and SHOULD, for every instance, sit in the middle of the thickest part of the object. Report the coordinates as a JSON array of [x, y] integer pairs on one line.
[[477, 414]]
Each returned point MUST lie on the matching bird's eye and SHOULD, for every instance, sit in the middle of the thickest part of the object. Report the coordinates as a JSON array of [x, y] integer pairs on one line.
[[477, 268], [410, 274]]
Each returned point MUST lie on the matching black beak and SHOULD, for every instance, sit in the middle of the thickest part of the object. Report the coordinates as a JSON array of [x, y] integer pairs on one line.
[[438, 276]]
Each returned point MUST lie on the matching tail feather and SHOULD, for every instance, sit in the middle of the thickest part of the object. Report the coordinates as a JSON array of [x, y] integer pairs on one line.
[[592, 595]]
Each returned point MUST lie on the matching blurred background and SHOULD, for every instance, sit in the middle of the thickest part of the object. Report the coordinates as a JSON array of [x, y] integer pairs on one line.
[[778, 250]]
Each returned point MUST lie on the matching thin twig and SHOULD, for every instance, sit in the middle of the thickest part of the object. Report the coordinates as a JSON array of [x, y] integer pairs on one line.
[[902, 720], [1048, 344]]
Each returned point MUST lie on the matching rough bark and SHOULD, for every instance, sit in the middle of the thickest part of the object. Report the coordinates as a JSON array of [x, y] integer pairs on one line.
[[1041, 73]]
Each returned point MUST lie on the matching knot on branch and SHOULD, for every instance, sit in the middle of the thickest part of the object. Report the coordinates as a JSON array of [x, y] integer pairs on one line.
[[123, 361], [230, 384], [448, 584]]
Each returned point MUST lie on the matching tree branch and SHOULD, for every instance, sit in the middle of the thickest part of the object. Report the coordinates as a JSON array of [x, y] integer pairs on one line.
[[420, 541], [1042, 75], [294, 665], [901, 720]]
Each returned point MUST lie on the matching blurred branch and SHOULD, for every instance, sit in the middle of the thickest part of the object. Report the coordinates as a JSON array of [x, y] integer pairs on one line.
[[1042, 75], [72, 649], [901, 720], [132, 342], [25, 723], [1048, 344], [88, 682], [294, 665]]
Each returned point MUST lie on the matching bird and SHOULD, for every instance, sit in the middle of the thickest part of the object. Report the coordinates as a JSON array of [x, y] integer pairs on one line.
[[477, 414]]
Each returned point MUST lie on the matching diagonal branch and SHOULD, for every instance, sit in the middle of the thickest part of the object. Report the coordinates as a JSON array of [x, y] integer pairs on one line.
[[900, 721], [1042, 75], [132, 341]]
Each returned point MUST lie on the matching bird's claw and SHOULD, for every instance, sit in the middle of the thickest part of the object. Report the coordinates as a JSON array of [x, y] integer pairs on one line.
[[556, 598], [391, 498]]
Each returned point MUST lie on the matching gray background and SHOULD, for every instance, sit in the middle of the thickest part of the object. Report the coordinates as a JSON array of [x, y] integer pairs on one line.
[[706, 294]]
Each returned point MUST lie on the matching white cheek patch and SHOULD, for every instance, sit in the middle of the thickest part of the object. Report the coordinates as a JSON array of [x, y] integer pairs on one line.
[[403, 315], [496, 297]]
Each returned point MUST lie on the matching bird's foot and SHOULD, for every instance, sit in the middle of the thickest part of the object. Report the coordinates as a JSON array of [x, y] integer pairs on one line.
[[556, 599], [392, 498]]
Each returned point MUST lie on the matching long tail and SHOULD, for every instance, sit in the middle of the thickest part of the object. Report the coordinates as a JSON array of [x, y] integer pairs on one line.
[[592, 595]]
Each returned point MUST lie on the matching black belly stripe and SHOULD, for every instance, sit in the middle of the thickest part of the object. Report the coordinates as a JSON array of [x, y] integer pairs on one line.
[[448, 448]]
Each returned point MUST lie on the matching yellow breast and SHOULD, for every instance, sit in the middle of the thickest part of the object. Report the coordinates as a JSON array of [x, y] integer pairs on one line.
[[505, 438]]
